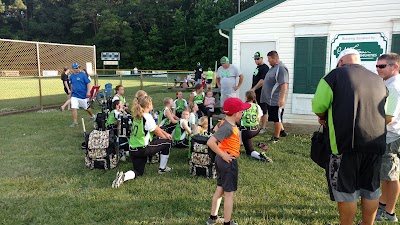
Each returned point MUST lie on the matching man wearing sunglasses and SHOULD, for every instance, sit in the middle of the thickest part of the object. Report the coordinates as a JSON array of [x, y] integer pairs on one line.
[[388, 68], [258, 80], [350, 102]]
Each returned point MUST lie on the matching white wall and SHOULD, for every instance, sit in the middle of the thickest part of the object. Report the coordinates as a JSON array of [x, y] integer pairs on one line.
[[279, 24]]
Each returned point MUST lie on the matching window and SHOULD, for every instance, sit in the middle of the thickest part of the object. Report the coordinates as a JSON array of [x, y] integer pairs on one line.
[[396, 43], [309, 63]]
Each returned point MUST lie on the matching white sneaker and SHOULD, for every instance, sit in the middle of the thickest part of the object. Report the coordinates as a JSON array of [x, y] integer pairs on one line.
[[119, 179], [263, 130], [165, 170]]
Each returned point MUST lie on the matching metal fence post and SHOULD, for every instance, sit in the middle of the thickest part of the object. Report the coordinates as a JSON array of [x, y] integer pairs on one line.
[[141, 81], [40, 82]]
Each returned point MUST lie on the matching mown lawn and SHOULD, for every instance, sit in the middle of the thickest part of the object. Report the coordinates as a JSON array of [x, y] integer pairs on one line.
[[43, 180]]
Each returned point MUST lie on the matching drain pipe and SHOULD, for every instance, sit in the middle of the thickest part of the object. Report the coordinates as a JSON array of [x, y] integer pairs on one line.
[[227, 37]]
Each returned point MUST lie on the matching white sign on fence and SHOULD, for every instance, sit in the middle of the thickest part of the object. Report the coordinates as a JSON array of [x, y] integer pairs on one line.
[[50, 73], [110, 63]]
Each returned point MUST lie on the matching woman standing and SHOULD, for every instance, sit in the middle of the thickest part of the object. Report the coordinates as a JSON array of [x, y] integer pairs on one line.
[[67, 88]]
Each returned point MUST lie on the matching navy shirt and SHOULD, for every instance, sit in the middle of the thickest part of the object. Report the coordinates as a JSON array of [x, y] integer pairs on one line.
[[79, 85]]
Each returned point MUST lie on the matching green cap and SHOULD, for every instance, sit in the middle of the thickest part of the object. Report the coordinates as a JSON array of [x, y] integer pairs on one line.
[[224, 60], [258, 55]]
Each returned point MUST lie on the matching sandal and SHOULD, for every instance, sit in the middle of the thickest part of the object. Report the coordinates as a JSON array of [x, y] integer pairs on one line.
[[262, 146]]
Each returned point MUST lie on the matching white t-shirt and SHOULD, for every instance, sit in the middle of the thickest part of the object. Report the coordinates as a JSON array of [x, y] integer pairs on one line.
[[150, 126], [192, 118], [228, 78], [392, 108]]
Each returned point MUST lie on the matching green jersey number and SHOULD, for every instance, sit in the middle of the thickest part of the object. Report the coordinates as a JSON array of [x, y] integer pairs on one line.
[[135, 130], [251, 118]]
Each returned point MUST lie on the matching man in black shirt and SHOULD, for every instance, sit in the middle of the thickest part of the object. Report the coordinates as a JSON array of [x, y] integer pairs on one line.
[[198, 72], [259, 75]]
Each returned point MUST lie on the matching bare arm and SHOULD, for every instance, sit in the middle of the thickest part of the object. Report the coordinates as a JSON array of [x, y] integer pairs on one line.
[[191, 97], [186, 127], [171, 117], [219, 82], [388, 119], [213, 144], [258, 85], [283, 94]]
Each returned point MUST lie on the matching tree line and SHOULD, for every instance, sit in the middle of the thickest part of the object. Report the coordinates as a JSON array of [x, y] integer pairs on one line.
[[149, 34]]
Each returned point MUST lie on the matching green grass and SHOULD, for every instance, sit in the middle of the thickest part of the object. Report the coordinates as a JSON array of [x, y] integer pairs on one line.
[[23, 93], [43, 180]]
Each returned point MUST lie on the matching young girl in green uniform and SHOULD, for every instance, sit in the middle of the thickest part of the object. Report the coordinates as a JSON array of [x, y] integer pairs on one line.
[[167, 120], [182, 131], [141, 143]]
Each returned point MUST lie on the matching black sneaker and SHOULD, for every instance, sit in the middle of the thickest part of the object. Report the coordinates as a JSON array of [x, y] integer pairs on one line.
[[274, 139], [283, 133]]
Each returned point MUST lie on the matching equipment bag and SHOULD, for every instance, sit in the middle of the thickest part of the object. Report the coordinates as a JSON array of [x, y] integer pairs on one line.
[[202, 158], [100, 151]]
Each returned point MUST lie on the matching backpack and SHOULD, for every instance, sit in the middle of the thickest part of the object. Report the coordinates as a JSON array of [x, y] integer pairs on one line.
[[201, 157], [100, 150]]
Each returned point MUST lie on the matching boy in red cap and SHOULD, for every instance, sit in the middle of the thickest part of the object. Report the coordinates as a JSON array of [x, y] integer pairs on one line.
[[226, 144]]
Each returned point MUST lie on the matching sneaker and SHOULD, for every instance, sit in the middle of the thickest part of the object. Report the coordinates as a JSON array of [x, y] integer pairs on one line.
[[212, 222], [265, 158], [274, 139], [388, 218], [123, 158], [74, 124], [263, 130], [92, 119], [119, 179], [379, 214], [283, 133], [165, 170]]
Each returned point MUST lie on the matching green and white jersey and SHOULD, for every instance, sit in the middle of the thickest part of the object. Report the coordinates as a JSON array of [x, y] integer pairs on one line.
[[179, 132], [112, 118], [210, 75], [120, 98], [142, 131], [180, 105], [250, 116], [162, 118], [198, 98]]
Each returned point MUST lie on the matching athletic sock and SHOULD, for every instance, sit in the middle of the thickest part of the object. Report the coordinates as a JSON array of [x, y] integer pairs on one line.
[[163, 161], [382, 205], [213, 217], [227, 223], [255, 154], [391, 214]]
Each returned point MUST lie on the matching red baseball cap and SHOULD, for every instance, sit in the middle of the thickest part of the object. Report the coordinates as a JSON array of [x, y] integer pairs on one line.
[[234, 105]]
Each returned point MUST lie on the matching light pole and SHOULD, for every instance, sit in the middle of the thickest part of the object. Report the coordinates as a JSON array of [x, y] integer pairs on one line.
[[238, 6]]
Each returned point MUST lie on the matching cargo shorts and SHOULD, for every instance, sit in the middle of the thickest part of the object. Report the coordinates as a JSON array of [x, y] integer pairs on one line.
[[390, 168]]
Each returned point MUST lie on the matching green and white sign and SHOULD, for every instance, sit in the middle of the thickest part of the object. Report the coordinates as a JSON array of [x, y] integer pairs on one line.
[[370, 46]]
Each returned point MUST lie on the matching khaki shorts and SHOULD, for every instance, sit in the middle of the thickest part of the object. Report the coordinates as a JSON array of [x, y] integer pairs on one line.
[[390, 168]]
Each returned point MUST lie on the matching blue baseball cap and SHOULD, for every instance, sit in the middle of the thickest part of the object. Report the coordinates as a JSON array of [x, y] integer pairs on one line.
[[75, 66]]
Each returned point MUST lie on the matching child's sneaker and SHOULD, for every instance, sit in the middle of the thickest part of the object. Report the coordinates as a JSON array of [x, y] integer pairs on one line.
[[283, 133], [379, 214], [165, 170], [119, 179], [265, 158], [386, 217], [274, 139], [212, 222], [263, 130], [74, 124]]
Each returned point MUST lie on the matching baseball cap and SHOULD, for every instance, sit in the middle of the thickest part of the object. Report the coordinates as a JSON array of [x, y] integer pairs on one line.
[[224, 60], [258, 55], [234, 105], [348, 51], [75, 66]]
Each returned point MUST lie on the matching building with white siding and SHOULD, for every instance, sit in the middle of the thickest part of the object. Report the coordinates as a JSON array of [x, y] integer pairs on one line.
[[309, 35]]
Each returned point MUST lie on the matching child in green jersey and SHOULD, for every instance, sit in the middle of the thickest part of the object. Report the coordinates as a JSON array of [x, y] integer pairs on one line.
[[182, 131], [179, 104], [167, 120], [250, 127], [141, 143]]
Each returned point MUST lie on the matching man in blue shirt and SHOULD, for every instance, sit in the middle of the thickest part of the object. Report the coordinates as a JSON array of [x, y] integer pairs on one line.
[[80, 86]]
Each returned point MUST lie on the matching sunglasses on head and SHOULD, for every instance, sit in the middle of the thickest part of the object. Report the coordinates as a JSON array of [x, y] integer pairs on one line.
[[382, 66]]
